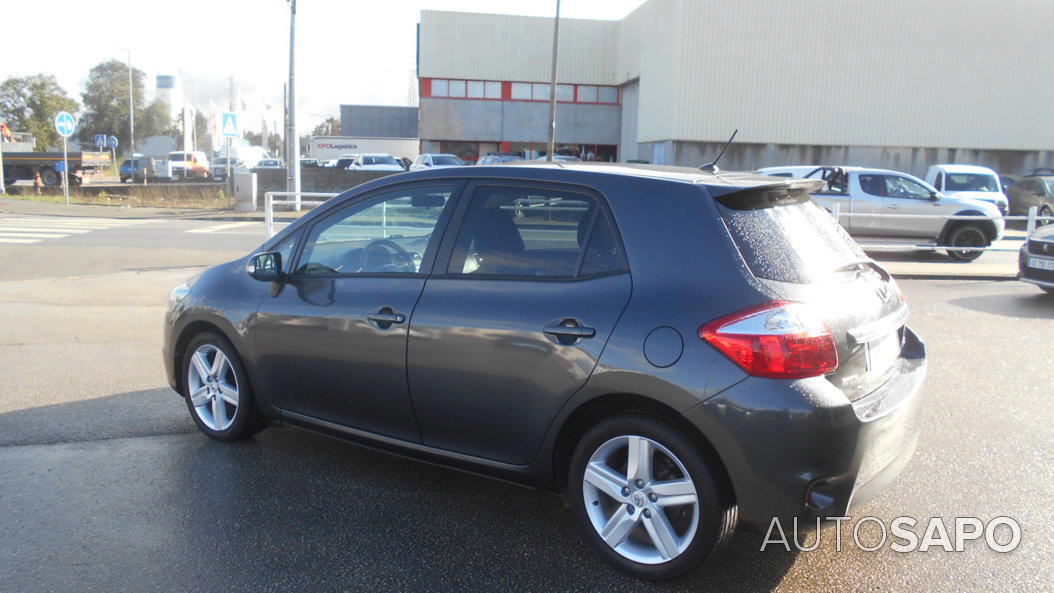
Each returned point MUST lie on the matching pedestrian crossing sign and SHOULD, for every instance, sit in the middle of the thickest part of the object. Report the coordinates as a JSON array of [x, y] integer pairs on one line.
[[230, 125]]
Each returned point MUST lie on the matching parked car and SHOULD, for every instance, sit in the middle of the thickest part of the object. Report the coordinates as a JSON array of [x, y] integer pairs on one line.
[[578, 351], [219, 167], [880, 191], [346, 161], [1036, 259], [309, 164], [969, 181], [1032, 191], [497, 158], [376, 162], [270, 164], [138, 168], [436, 161], [188, 164]]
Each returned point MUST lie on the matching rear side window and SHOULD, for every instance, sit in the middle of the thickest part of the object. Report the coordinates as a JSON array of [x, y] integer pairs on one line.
[[794, 240], [529, 232]]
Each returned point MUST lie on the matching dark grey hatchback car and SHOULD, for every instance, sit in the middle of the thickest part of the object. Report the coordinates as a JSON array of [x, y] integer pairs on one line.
[[676, 352]]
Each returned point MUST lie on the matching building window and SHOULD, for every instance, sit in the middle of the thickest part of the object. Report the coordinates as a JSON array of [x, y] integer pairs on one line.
[[607, 94], [521, 91], [518, 91]]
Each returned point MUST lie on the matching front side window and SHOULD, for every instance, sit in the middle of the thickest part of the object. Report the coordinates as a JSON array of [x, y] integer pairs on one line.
[[385, 234], [542, 233], [902, 187]]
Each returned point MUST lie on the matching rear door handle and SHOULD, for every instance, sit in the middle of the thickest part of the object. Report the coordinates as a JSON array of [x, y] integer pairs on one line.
[[386, 317], [569, 331], [893, 206]]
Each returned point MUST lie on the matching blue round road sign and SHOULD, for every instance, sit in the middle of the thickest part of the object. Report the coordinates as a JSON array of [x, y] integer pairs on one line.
[[113, 142], [65, 124]]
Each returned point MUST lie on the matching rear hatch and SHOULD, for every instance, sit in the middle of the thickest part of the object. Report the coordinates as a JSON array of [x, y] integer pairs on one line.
[[798, 252]]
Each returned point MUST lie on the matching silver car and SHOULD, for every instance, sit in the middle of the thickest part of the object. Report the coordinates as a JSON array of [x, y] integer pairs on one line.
[[864, 194]]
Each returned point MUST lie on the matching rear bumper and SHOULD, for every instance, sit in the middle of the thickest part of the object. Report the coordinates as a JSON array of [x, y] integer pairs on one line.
[[802, 449]]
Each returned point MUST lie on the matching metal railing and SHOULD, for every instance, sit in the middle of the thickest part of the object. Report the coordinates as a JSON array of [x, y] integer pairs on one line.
[[296, 203], [1031, 222]]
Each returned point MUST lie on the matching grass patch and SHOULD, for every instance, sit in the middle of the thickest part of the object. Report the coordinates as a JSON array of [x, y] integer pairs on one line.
[[168, 196]]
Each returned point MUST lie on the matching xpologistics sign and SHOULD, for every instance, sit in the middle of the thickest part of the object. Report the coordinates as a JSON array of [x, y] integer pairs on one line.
[[332, 146], [902, 536]]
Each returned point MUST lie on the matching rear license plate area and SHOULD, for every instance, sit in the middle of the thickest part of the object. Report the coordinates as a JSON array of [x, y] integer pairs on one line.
[[882, 352]]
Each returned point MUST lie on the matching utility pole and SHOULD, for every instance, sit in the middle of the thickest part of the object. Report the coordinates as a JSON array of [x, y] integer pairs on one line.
[[293, 164], [552, 86], [131, 107], [3, 188]]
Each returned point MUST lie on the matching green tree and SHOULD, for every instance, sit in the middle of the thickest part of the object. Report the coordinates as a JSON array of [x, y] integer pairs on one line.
[[29, 104], [105, 101], [329, 127]]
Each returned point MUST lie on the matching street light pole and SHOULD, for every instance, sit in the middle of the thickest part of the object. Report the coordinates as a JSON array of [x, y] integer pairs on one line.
[[293, 164], [131, 107], [552, 86]]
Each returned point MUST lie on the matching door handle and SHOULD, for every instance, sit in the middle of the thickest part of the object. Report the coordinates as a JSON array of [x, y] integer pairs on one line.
[[893, 206], [385, 317], [568, 331]]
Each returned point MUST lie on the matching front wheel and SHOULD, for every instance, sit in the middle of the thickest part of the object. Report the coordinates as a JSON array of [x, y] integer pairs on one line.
[[1044, 211], [217, 390], [967, 235], [647, 498]]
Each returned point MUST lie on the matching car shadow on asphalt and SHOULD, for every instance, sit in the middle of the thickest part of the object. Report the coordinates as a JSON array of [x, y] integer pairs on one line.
[[1031, 305], [292, 511]]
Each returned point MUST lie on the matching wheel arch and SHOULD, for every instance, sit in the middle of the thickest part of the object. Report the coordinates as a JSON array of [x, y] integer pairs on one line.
[[988, 226], [188, 333], [599, 408]]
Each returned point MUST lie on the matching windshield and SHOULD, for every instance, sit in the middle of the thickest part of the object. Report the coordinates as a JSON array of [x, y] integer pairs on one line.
[[445, 159], [378, 160], [971, 182], [178, 156], [795, 241]]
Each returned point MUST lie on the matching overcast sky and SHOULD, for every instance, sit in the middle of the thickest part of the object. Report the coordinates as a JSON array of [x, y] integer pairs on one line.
[[348, 51]]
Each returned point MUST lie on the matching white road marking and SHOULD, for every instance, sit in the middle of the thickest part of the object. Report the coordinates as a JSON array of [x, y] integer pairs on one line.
[[37, 235], [3, 240], [33, 229], [222, 227]]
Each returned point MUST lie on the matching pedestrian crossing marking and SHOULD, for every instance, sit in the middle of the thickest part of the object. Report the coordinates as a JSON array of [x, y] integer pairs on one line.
[[33, 229], [222, 227]]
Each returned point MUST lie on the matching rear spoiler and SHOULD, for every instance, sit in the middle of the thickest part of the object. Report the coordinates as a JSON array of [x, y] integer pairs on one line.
[[765, 196]]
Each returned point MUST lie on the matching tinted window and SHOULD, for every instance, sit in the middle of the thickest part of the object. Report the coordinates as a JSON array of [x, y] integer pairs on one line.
[[902, 187], [445, 159], [285, 247], [971, 182], [388, 233], [795, 241], [532, 232]]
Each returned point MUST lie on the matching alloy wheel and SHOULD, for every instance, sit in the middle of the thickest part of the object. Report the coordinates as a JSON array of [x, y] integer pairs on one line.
[[969, 237], [640, 499], [213, 387]]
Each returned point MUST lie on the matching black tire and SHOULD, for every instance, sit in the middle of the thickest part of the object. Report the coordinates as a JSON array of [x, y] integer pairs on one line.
[[125, 178], [717, 510], [1044, 210], [49, 177], [966, 235], [248, 419]]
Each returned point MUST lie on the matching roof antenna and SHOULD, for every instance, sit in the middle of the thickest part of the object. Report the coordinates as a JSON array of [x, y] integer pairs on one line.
[[711, 167]]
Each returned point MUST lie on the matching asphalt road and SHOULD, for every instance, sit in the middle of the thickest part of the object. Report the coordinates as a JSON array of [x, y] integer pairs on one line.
[[105, 485]]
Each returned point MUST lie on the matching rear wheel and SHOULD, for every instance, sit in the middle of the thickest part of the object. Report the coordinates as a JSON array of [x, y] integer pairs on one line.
[[49, 177], [647, 498], [967, 235], [217, 390]]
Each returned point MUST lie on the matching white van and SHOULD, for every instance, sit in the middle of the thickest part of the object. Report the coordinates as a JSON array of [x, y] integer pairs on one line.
[[188, 164], [969, 181]]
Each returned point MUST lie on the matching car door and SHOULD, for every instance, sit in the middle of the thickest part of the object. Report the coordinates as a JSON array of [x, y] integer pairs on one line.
[[514, 318], [905, 195], [867, 191], [330, 342]]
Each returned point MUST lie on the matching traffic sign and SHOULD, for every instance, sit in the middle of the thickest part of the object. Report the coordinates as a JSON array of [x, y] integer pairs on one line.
[[112, 142], [100, 140], [65, 124], [230, 125]]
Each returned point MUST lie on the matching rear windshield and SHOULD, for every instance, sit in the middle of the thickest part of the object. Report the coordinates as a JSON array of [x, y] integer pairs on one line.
[[443, 159], [971, 182], [378, 160], [178, 156], [793, 241]]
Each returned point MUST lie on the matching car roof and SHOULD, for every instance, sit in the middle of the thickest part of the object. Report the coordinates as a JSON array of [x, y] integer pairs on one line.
[[953, 168]]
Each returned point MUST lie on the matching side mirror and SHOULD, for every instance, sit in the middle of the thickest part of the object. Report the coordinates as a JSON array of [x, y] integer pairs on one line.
[[934, 196], [266, 267]]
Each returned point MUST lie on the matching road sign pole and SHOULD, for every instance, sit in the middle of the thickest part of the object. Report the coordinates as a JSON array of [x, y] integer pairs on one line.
[[65, 172], [3, 186], [230, 182]]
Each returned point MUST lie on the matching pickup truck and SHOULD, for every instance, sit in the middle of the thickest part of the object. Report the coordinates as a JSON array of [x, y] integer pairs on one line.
[[859, 190]]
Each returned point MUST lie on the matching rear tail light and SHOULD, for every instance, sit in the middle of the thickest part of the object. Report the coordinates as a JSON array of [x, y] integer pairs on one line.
[[778, 339]]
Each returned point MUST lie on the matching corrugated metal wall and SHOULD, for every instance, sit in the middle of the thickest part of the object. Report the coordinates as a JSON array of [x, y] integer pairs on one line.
[[973, 74], [499, 47]]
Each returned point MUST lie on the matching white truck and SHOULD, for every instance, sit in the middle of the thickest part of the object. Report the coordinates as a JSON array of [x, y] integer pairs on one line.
[[969, 181], [327, 148], [858, 190]]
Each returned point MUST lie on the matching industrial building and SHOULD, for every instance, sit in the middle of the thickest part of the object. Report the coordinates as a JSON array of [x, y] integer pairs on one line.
[[899, 84]]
